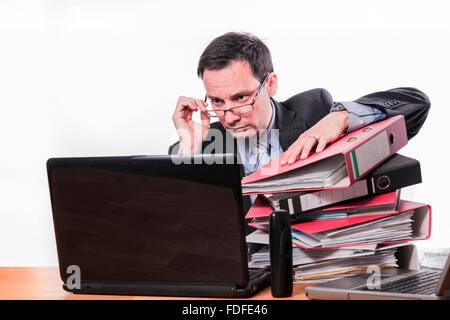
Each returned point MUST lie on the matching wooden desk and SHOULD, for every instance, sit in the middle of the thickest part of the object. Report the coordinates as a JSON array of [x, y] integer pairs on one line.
[[42, 283]]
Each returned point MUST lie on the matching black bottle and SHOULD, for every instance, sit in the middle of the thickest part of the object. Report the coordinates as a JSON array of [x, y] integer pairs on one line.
[[280, 253]]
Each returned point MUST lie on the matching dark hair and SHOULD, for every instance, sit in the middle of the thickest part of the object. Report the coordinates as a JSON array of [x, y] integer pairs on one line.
[[236, 46]]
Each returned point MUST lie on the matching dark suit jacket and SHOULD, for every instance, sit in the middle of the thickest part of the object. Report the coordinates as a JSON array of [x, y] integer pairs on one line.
[[304, 110]]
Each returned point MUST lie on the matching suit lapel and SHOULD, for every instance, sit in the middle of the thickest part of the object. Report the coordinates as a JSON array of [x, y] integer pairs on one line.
[[290, 123]]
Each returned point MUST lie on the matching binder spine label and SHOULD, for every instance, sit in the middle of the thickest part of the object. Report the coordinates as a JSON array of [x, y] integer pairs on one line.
[[369, 154], [294, 205], [324, 198]]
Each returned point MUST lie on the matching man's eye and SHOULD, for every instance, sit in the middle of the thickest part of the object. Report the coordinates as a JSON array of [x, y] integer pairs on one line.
[[241, 98], [216, 101]]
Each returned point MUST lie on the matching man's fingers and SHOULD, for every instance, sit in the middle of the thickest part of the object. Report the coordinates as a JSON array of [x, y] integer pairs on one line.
[[205, 104], [202, 106], [283, 158], [309, 144], [288, 153], [185, 109], [190, 133], [189, 104], [204, 115], [302, 148], [205, 122], [322, 144], [295, 151]]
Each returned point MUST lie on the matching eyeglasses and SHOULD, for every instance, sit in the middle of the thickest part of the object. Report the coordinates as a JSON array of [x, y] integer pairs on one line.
[[245, 108]]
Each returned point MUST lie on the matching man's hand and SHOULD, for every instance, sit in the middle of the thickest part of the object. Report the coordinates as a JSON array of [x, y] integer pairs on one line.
[[190, 133], [327, 130]]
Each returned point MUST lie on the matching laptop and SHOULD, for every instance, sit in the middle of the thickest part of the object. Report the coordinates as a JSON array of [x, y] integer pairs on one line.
[[423, 284], [152, 225]]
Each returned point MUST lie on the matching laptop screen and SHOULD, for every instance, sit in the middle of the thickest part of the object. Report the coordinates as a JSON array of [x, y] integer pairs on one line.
[[148, 219]]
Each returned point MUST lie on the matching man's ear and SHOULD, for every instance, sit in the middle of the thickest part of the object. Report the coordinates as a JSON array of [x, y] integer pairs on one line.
[[272, 83]]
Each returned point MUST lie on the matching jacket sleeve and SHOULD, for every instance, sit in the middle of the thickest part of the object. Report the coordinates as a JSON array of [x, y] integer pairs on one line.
[[412, 103], [214, 128], [173, 149]]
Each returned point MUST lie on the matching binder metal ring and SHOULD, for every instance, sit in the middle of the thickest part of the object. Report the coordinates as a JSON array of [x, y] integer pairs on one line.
[[383, 182]]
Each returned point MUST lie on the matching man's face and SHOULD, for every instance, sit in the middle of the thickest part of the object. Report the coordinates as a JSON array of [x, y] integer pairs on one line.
[[234, 86]]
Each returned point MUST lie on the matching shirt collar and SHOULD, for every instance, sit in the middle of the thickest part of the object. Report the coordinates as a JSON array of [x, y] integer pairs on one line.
[[272, 121], [242, 145]]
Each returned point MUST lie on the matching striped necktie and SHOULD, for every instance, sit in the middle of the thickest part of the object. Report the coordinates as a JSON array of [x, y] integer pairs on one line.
[[258, 155]]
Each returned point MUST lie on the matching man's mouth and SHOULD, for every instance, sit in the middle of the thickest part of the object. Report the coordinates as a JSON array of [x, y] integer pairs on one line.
[[240, 129]]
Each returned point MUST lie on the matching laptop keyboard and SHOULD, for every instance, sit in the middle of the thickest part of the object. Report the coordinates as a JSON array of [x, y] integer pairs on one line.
[[424, 283]]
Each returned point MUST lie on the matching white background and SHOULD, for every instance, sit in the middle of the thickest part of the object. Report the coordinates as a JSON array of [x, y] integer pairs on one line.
[[90, 78]]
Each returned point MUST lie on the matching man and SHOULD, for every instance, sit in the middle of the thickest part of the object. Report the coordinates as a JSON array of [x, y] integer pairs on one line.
[[240, 82]]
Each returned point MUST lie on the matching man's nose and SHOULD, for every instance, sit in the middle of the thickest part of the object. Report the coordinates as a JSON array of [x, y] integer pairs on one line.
[[231, 118]]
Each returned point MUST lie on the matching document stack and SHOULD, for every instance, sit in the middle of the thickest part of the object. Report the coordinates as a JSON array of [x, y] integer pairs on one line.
[[345, 205]]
